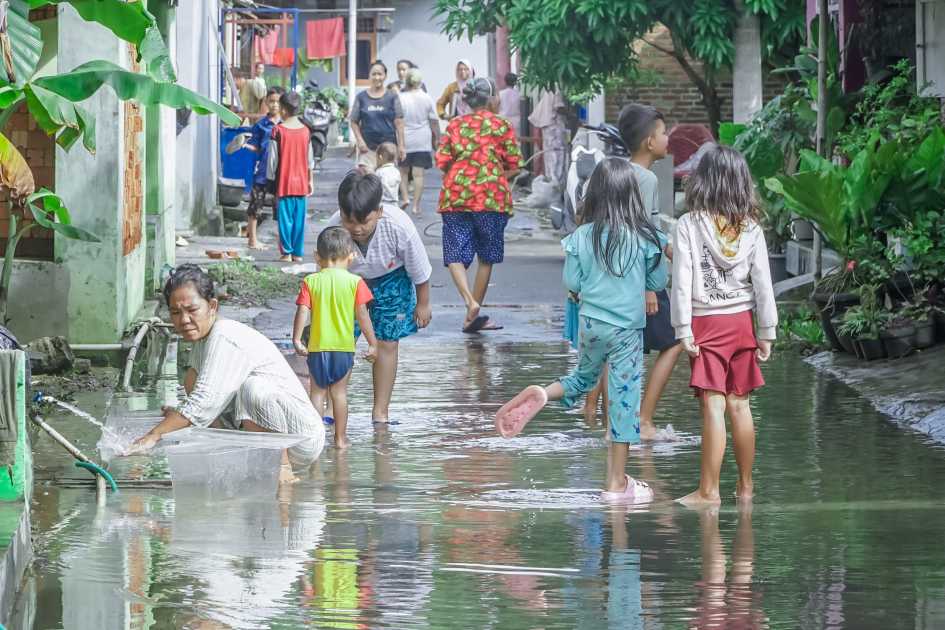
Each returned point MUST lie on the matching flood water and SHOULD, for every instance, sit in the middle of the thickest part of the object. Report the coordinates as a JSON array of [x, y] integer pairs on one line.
[[439, 523]]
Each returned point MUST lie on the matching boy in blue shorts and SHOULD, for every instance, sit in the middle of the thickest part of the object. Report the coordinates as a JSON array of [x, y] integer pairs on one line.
[[334, 298]]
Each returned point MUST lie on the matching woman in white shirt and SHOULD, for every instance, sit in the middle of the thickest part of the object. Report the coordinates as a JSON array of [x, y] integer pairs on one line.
[[421, 134]]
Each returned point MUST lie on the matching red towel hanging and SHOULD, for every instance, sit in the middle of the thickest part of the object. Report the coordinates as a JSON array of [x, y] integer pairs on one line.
[[325, 39]]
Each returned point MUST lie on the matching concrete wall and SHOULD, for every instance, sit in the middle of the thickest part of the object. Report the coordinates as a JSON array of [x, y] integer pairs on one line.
[[197, 145], [105, 286]]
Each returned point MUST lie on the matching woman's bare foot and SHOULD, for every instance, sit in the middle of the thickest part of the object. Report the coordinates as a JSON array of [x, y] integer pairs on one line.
[[257, 246], [342, 443], [695, 499], [297, 259], [416, 211], [285, 258]]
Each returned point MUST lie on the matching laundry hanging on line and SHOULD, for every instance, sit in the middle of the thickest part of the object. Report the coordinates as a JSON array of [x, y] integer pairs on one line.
[[265, 46], [325, 39]]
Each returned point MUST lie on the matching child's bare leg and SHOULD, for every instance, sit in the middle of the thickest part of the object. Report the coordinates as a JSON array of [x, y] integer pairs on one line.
[[317, 396], [417, 188], [617, 453], [743, 439], [713, 449], [385, 373], [458, 273], [404, 177], [593, 397], [338, 393], [251, 222], [655, 384]]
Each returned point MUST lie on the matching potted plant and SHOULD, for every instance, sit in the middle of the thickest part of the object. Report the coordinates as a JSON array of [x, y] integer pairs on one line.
[[863, 323], [899, 335], [848, 327], [841, 200], [921, 314]]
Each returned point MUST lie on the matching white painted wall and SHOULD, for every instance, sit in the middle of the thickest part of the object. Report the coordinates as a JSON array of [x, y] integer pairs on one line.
[[416, 35], [197, 151]]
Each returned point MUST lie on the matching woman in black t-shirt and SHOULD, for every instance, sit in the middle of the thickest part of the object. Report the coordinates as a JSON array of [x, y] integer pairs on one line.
[[377, 117]]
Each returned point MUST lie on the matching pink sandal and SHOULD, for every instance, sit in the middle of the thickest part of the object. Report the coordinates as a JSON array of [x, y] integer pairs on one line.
[[515, 414], [636, 492]]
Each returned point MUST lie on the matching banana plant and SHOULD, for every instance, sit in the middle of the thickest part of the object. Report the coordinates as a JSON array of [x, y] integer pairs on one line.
[[54, 103], [46, 208]]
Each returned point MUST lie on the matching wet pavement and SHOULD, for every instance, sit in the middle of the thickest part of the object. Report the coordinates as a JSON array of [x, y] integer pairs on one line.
[[439, 523]]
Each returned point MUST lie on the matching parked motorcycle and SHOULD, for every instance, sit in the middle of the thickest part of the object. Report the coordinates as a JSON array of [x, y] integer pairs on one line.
[[582, 160], [317, 117]]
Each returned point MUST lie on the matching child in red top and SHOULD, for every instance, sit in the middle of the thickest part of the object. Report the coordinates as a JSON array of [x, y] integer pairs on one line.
[[290, 164]]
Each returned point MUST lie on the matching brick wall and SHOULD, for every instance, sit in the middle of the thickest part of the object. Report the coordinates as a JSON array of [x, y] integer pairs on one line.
[[664, 85], [39, 150], [40, 153], [133, 192]]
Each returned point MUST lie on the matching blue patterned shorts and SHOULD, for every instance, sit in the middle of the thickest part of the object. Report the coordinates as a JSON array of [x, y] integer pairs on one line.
[[392, 310], [622, 350], [470, 234]]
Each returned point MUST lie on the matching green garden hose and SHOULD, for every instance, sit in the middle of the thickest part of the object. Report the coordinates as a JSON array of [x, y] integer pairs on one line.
[[98, 470]]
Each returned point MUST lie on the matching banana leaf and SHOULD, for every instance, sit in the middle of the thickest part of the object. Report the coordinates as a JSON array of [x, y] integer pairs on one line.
[[25, 41], [55, 114], [87, 79], [15, 173], [131, 22], [817, 196], [54, 215]]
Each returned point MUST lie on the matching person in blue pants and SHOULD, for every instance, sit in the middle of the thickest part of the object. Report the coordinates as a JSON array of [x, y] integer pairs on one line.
[[290, 167]]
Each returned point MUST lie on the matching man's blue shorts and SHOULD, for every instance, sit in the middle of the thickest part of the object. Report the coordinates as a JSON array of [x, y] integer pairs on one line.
[[327, 368]]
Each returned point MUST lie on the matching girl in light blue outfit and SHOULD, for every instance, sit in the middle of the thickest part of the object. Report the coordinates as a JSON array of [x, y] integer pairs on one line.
[[610, 261]]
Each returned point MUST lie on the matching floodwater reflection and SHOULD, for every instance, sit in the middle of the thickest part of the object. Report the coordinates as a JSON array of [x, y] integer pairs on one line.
[[436, 523]]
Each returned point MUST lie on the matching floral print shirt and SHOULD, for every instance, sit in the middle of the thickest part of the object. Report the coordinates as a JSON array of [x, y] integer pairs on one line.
[[475, 152]]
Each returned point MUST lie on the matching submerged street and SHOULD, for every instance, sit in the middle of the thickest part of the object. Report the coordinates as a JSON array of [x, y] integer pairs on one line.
[[438, 519]]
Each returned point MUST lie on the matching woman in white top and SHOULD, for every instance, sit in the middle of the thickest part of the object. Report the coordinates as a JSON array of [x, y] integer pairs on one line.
[[421, 135], [231, 362]]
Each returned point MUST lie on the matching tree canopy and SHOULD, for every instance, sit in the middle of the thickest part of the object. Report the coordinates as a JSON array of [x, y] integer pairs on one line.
[[578, 46]]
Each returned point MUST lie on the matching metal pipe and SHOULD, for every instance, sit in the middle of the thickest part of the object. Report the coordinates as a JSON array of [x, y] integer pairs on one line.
[[352, 58], [130, 360], [89, 347], [94, 468], [63, 442]]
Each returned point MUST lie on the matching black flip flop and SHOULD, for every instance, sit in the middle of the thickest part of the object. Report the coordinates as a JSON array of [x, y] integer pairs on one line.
[[476, 324]]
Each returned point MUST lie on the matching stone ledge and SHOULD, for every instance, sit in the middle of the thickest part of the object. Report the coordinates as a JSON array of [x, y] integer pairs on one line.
[[909, 391]]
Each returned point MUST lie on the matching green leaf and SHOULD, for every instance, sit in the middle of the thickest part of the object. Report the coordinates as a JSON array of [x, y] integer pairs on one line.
[[26, 42], [131, 22], [56, 115], [87, 79], [54, 216], [15, 173]]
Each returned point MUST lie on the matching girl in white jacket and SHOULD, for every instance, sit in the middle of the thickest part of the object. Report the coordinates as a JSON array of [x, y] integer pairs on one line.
[[720, 278]]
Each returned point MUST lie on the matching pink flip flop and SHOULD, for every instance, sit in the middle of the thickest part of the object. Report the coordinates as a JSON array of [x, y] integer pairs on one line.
[[515, 414], [636, 492]]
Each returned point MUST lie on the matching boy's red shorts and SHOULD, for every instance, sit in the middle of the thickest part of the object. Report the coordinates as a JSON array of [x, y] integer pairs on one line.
[[726, 361]]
